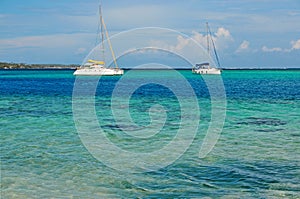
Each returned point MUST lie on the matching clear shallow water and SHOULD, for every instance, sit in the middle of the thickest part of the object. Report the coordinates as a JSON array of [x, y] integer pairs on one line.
[[257, 155]]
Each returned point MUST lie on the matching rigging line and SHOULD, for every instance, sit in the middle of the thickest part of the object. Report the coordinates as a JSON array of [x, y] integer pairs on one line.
[[213, 43], [109, 43]]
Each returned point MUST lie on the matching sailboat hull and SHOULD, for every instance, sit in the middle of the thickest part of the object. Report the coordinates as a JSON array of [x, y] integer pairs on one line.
[[205, 68], [207, 71], [97, 67], [98, 72]]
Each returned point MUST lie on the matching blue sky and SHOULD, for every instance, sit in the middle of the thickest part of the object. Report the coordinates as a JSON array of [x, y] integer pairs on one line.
[[248, 33]]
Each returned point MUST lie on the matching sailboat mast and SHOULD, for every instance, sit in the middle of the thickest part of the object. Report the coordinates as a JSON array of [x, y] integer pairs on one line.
[[102, 34], [207, 37]]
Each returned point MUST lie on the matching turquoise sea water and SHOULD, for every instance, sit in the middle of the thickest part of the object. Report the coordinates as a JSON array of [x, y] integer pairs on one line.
[[256, 156]]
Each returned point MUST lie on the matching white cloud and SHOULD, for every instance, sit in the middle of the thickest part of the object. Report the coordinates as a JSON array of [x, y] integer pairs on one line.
[[200, 38], [222, 32], [295, 44], [276, 49], [182, 42], [57, 48], [44, 41], [243, 47], [221, 39]]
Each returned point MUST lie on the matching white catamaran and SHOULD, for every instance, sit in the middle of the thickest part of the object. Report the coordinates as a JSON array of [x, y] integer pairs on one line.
[[205, 68], [98, 68]]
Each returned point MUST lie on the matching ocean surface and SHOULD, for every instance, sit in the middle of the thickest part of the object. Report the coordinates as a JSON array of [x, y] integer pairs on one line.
[[44, 155]]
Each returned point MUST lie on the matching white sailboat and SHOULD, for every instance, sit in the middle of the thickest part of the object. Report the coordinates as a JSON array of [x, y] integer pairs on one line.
[[96, 67], [205, 68]]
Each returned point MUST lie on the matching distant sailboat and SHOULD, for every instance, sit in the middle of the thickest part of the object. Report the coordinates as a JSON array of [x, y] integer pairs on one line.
[[96, 67], [205, 68]]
